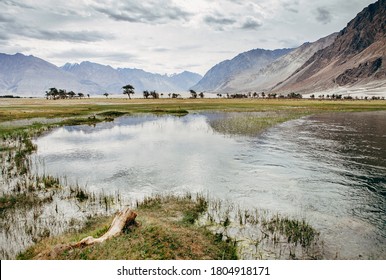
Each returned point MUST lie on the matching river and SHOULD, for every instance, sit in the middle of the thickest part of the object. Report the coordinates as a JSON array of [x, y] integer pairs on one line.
[[329, 169]]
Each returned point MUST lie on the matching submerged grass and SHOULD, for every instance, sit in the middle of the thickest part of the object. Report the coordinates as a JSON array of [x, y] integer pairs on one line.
[[250, 124], [22, 200]]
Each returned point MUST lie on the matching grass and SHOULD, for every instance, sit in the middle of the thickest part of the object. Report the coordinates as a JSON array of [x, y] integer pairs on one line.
[[250, 124], [22, 200], [16, 109], [298, 232], [262, 235], [165, 230]]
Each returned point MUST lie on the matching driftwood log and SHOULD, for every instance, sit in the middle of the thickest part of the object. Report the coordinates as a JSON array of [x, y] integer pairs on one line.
[[122, 221]]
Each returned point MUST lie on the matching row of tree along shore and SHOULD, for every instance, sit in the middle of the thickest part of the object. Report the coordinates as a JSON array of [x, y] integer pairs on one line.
[[129, 90]]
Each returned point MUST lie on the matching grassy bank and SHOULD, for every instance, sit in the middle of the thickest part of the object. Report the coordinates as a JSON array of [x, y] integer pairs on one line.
[[165, 230]]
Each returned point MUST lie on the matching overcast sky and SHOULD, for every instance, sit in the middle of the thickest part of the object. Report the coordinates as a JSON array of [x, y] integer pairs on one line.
[[165, 36]]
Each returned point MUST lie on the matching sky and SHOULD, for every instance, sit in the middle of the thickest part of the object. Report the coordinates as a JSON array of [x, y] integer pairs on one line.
[[165, 36]]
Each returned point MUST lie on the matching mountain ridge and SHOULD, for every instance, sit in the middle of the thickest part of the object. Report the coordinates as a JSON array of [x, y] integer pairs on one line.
[[222, 72], [345, 60], [27, 75], [360, 43]]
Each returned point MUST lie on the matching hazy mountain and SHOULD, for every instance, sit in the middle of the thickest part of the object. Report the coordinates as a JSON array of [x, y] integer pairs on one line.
[[263, 79], [356, 57], [103, 78], [217, 78], [185, 78], [142, 80], [31, 76], [111, 80]]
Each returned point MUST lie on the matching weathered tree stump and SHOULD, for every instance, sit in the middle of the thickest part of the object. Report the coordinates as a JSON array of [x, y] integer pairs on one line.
[[122, 221]]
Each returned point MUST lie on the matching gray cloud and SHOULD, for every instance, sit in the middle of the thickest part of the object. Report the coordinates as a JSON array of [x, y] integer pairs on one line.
[[217, 20], [5, 18], [17, 4], [292, 6], [70, 36], [238, 2], [143, 12], [323, 15], [161, 49], [4, 37], [12, 29], [251, 24]]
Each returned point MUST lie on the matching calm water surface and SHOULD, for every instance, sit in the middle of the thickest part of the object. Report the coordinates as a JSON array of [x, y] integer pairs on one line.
[[329, 169]]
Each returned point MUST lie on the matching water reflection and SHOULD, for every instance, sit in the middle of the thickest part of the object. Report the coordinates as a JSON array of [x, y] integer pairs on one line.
[[329, 169]]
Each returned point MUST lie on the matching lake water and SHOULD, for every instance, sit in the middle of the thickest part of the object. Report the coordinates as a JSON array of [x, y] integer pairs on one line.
[[329, 169]]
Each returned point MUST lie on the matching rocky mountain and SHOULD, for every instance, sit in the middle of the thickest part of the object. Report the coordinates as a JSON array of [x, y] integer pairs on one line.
[[218, 77], [357, 56], [350, 60], [264, 79], [31, 76]]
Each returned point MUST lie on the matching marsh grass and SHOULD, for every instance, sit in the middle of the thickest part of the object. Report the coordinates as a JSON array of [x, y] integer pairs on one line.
[[251, 124], [33, 207], [174, 112], [190, 227], [260, 234]]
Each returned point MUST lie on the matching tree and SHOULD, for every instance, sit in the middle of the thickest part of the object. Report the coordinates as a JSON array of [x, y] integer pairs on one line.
[[193, 93], [201, 95], [154, 94], [52, 93], [106, 94], [62, 94], [146, 94], [129, 90], [80, 95], [294, 95], [71, 94]]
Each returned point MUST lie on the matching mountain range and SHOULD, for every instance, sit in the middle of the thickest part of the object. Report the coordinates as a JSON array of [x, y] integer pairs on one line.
[[31, 76], [352, 60], [349, 61], [217, 78]]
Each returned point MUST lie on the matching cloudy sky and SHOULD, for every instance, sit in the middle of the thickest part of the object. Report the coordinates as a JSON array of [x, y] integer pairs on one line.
[[165, 36]]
